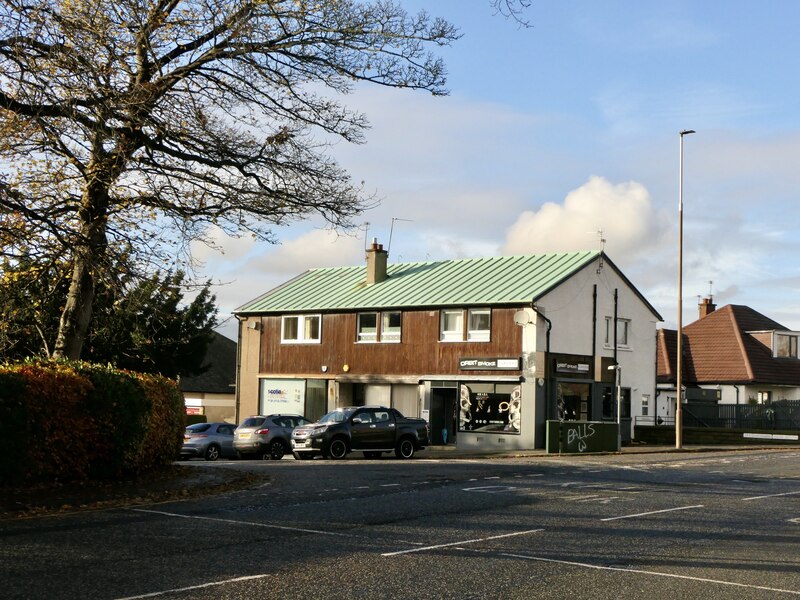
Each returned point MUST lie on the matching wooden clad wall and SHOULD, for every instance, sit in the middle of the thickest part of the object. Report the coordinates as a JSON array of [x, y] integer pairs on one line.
[[419, 352]]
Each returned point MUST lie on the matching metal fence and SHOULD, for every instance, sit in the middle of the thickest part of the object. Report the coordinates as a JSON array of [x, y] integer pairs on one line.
[[783, 414]]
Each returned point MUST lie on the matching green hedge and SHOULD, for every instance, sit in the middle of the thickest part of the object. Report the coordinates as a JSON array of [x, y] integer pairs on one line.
[[74, 421]]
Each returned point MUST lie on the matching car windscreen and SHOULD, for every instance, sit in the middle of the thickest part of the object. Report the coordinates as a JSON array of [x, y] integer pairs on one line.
[[198, 427], [337, 416]]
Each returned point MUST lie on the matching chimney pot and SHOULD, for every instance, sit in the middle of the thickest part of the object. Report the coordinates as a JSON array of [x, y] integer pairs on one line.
[[376, 262], [706, 307]]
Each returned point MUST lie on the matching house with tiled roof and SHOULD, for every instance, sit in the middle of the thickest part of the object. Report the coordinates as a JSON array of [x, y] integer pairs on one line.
[[485, 349], [731, 355], [212, 392]]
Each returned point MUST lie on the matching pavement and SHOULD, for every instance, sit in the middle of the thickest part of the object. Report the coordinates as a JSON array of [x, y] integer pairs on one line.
[[451, 451]]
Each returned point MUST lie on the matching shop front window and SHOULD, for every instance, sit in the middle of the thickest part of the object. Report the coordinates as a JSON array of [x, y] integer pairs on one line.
[[490, 408]]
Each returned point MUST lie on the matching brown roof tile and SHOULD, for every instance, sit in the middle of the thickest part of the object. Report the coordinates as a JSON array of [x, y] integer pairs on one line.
[[727, 346]]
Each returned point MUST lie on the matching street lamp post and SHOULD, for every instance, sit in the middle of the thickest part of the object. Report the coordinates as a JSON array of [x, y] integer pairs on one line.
[[618, 381], [679, 359]]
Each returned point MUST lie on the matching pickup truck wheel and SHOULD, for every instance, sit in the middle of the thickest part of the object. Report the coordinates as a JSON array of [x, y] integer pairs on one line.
[[405, 448], [338, 449]]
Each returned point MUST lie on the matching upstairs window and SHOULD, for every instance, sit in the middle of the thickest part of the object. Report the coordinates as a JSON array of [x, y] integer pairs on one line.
[[368, 327], [452, 326], [379, 327], [623, 332], [390, 326], [301, 329], [478, 323], [785, 345]]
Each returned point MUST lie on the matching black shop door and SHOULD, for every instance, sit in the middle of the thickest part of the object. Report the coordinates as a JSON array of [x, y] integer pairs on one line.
[[443, 416]]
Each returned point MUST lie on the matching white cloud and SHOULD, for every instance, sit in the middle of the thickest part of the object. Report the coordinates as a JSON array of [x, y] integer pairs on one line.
[[221, 247], [623, 211], [314, 248]]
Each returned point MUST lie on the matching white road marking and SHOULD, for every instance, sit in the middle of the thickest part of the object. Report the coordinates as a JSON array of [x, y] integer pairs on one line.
[[490, 489], [771, 496], [197, 587], [462, 543], [602, 499], [654, 573], [654, 512], [797, 520], [236, 522], [390, 485]]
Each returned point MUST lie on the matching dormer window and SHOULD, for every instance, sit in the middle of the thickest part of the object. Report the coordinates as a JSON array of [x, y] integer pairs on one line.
[[785, 345]]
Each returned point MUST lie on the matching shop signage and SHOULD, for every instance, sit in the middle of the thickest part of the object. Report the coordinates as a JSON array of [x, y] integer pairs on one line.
[[489, 364], [563, 366], [282, 396]]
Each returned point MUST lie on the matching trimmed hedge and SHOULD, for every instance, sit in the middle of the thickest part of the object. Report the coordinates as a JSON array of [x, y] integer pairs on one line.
[[74, 421]]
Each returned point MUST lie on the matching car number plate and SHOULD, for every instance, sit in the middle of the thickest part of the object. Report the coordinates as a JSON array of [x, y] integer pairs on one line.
[[300, 444], [243, 436]]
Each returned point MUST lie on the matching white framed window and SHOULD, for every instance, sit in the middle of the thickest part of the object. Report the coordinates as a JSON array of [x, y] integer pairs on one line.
[[301, 329], [623, 332], [452, 326], [785, 345], [368, 327], [645, 405], [379, 326], [391, 326], [479, 327]]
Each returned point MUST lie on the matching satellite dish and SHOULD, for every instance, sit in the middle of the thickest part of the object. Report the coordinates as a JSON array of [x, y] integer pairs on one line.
[[521, 318]]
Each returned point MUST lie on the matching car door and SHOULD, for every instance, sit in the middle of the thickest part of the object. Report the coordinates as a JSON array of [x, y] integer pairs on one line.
[[383, 433], [225, 436], [362, 430]]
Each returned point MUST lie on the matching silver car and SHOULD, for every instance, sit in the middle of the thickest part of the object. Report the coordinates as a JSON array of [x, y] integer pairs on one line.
[[266, 437], [208, 440]]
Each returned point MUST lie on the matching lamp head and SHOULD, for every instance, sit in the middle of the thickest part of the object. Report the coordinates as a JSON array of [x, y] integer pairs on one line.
[[687, 132]]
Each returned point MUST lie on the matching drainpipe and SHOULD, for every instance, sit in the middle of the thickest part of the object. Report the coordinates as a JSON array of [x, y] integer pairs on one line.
[[238, 366], [547, 355]]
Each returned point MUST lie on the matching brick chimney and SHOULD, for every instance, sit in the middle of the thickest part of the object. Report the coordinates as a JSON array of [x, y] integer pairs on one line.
[[706, 307], [376, 262]]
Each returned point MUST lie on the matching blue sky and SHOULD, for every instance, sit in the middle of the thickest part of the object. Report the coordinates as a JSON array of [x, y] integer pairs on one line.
[[554, 132]]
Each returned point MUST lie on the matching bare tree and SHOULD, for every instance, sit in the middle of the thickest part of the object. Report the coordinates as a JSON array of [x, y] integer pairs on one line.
[[119, 115], [512, 9]]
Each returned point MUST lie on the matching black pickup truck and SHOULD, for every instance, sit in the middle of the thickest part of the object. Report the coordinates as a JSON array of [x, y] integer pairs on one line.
[[372, 430]]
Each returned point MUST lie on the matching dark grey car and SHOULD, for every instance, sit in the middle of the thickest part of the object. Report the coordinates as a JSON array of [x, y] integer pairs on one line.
[[267, 437], [208, 440]]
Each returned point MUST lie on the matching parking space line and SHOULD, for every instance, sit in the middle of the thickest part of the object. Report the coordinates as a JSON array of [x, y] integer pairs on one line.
[[654, 512], [654, 573], [236, 522], [770, 496], [197, 587], [462, 543]]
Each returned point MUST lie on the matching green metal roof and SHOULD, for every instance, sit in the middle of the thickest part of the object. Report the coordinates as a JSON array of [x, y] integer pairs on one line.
[[462, 282]]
